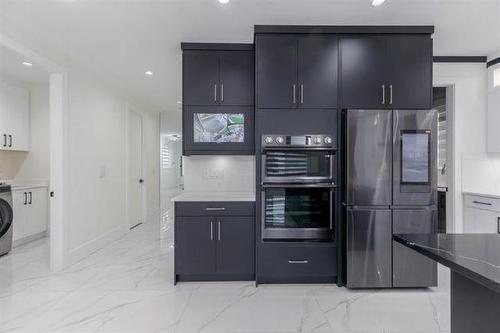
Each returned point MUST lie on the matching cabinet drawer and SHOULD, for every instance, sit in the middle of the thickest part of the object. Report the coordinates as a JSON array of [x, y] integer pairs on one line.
[[277, 260], [215, 208], [481, 202]]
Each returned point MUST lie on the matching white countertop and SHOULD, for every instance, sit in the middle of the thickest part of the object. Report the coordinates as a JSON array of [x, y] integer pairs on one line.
[[215, 196], [19, 185], [483, 194]]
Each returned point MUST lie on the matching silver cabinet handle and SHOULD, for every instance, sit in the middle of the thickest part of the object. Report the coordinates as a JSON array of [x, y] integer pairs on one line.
[[498, 225], [5, 140], [294, 93], [30, 194], [390, 94], [215, 92], [301, 94], [218, 230], [222, 92], [10, 140], [298, 262], [383, 94], [211, 230], [215, 208], [25, 198], [482, 203]]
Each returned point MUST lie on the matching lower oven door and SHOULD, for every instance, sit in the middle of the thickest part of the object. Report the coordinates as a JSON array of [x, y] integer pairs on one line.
[[298, 212]]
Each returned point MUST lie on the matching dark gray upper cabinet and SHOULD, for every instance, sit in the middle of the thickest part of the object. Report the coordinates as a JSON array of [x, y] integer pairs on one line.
[[296, 71], [236, 245], [410, 72], [389, 72], [218, 77], [362, 72], [276, 59]]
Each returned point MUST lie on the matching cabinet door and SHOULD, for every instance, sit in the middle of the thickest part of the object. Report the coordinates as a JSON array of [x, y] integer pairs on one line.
[[410, 72], [195, 245], [237, 72], [235, 245], [276, 59], [200, 78], [18, 130], [21, 212], [317, 71], [38, 210], [363, 74], [480, 221], [4, 115]]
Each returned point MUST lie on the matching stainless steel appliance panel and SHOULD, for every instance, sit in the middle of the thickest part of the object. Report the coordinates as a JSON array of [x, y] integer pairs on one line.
[[369, 250], [414, 164], [369, 157], [411, 269]]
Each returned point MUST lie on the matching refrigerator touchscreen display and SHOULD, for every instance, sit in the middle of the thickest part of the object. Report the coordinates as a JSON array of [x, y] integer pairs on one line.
[[415, 157]]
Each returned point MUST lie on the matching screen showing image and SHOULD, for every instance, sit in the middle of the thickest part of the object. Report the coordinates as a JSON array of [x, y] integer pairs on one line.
[[415, 157], [219, 127]]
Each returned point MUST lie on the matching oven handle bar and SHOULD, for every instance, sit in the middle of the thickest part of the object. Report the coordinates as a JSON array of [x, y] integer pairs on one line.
[[317, 185]]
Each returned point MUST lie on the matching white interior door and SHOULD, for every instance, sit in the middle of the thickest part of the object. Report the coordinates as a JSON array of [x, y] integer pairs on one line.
[[135, 172]]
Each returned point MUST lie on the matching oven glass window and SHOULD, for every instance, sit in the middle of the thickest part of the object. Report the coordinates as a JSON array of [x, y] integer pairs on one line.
[[415, 157], [297, 208], [282, 163], [219, 127]]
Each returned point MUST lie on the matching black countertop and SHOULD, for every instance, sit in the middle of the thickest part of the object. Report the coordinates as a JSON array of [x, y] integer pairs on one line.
[[475, 256]]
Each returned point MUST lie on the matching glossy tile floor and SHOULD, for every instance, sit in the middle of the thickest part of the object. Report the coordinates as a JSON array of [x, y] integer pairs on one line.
[[127, 286]]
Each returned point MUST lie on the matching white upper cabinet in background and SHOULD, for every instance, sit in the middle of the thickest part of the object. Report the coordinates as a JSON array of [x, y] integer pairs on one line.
[[14, 117], [493, 120]]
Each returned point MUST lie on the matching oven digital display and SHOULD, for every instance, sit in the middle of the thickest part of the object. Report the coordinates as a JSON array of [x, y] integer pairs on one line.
[[297, 140]]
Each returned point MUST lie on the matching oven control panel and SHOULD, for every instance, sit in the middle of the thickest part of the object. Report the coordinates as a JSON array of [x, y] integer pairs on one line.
[[313, 140]]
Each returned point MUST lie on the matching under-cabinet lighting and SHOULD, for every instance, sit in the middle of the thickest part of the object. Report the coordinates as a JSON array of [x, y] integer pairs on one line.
[[28, 64], [223, 1], [377, 2], [149, 73]]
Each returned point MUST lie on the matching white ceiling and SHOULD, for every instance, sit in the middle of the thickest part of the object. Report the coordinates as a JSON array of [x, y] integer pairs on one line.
[[11, 66], [122, 39]]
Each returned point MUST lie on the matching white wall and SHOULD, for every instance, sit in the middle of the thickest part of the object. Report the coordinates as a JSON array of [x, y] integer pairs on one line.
[[219, 174], [96, 127], [35, 164], [475, 169]]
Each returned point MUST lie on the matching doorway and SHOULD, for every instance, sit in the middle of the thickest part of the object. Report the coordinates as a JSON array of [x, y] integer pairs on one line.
[[135, 167]]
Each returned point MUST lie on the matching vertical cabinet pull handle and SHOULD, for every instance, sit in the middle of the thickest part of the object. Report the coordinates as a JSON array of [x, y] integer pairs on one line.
[[390, 94], [222, 92], [25, 198], [211, 230], [294, 93], [218, 230], [383, 94], [10, 140], [5, 140], [498, 225], [31, 197], [215, 93], [302, 94]]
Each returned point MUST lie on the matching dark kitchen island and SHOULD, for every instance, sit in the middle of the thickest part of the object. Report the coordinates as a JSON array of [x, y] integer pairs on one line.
[[474, 260]]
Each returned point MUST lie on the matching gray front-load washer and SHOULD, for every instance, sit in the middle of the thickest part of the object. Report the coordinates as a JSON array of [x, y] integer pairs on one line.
[[6, 217]]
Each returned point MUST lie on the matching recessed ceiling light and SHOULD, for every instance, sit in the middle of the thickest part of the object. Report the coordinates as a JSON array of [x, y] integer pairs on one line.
[[29, 64], [377, 2], [223, 1], [149, 73]]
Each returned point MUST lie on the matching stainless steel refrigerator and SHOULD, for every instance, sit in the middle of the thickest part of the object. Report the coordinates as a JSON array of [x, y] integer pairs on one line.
[[391, 187]]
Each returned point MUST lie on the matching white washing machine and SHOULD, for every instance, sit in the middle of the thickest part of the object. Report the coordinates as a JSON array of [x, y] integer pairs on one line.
[[6, 217]]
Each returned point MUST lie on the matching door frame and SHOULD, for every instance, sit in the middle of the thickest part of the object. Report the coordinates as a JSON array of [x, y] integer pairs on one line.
[[144, 213], [58, 187]]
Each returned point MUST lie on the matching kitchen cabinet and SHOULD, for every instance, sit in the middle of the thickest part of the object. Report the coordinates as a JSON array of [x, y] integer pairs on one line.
[[389, 72], [296, 71], [482, 214], [220, 75], [14, 117], [30, 208], [214, 241]]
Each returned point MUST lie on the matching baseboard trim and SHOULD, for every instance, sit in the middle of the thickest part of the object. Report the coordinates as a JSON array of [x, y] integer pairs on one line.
[[89, 247], [29, 239]]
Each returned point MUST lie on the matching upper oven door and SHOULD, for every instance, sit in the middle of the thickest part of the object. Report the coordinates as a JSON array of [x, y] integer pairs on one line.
[[298, 165]]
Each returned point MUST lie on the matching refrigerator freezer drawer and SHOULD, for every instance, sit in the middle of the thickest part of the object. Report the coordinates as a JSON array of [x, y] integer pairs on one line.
[[411, 269], [369, 250]]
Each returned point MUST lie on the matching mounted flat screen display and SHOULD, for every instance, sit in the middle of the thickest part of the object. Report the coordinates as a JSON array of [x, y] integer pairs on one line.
[[415, 156], [219, 127]]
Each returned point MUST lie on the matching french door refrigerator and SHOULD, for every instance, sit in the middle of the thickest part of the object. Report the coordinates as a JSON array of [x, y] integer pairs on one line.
[[391, 187]]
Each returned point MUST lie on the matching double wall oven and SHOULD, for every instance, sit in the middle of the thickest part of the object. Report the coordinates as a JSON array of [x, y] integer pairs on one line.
[[298, 187]]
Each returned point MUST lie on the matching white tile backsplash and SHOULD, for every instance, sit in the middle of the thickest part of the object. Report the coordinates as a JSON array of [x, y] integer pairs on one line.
[[219, 173]]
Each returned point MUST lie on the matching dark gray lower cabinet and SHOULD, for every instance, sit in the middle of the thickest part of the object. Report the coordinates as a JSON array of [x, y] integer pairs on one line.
[[211, 247]]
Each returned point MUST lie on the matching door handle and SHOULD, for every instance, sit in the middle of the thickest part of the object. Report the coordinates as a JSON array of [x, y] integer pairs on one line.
[[302, 94], [30, 194], [211, 230], [482, 203], [141, 181], [215, 93], [298, 262], [218, 230], [10, 140], [390, 94], [383, 94], [25, 198], [215, 208], [294, 93], [222, 92], [5, 140]]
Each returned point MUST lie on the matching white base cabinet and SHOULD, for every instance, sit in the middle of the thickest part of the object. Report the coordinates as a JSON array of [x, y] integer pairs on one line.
[[482, 214], [30, 212], [14, 117]]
